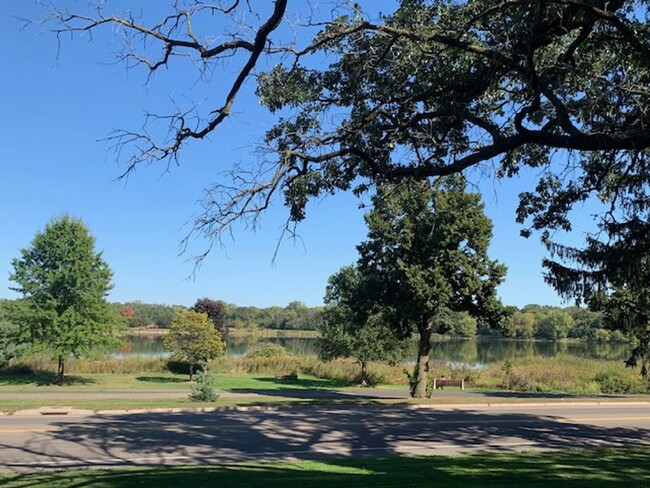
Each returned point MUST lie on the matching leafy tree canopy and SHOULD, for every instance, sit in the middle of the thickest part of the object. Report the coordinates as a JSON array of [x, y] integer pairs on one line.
[[12, 340], [432, 88], [347, 331], [425, 257], [64, 282], [193, 338], [216, 312]]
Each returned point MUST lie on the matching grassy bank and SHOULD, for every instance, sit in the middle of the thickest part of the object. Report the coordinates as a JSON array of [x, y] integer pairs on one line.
[[562, 373], [576, 468]]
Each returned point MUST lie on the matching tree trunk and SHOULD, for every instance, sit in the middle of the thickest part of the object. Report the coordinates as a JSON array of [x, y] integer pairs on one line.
[[364, 378], [191, 371], [422, 366], [60, 370]]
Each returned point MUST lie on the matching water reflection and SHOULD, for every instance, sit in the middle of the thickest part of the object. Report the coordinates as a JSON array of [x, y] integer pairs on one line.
[[475, 352]]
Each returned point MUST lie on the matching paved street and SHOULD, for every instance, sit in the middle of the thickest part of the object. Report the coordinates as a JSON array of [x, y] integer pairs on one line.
[[30, 442]]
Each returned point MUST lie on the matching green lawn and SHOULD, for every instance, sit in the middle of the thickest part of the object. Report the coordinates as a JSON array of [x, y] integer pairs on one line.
[[580, 468], [29, 391], [153, 381], [10, 406]]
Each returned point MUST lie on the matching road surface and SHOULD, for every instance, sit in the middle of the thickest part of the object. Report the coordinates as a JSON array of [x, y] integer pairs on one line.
[[45, 442]]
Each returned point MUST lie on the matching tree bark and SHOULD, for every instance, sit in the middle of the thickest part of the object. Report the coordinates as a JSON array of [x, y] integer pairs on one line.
[[364, 378], [60, 370], [422, 365]]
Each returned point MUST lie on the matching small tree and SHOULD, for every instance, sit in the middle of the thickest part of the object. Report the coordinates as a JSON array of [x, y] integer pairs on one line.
[[203, 390], [347, 330], [64, 282], [216, 312], [193, 338]]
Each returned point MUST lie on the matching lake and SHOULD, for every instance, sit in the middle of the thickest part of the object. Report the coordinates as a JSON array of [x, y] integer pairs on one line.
[[474, 352]]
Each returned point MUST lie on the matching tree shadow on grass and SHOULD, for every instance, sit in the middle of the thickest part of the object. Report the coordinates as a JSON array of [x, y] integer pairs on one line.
[[595, 468], [43, 379], [292, 392], [316, 384], [162, 379]]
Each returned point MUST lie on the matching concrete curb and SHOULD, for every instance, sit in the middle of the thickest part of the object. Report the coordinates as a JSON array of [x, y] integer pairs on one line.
[[531, 404], [72, 412]]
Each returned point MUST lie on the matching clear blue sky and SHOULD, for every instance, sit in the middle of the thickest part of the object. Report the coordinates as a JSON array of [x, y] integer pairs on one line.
[[52, 162]]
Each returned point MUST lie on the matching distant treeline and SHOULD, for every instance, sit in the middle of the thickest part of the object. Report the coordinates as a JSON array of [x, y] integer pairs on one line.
[[529, 322], [545, 322], [295, 316]]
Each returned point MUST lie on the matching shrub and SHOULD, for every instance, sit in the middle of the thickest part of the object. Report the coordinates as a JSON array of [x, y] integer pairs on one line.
[[181, 367], [203, 390], [517, 381], [613, 383], [267, 350]]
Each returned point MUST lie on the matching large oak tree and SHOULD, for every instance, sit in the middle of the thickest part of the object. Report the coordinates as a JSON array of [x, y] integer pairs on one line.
[[426, 256]]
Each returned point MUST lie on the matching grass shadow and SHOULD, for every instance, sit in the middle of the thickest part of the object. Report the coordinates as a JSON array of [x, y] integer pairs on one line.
[[307, 384], [43, 379], [161, 379]]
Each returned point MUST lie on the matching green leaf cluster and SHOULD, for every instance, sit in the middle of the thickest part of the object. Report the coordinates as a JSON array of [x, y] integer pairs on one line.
[[353, 327], [193, 338]]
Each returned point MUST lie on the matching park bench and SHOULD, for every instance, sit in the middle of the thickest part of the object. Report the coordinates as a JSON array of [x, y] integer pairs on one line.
[[442, 382]]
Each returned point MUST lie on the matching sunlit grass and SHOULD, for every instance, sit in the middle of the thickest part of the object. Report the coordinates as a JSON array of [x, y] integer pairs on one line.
[[576, 468], [155, 381]]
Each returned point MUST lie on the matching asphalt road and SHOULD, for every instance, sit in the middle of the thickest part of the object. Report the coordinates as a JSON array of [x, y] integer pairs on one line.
[[46, 442]]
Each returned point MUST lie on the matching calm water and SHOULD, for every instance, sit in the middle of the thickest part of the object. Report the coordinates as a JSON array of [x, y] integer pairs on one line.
[[475, 352]]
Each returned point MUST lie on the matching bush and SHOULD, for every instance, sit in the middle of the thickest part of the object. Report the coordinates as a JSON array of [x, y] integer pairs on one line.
[[267, 350], [182, 367], [613, 383], [203, 390]]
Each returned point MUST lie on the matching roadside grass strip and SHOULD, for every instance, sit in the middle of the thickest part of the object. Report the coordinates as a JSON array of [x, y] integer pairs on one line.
[[614, 467]]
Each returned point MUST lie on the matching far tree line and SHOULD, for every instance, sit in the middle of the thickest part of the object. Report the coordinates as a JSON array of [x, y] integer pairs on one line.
[[529, 322], [295, 316]]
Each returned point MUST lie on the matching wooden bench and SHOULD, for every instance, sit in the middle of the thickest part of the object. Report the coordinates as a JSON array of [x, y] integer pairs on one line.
[[442, 382]]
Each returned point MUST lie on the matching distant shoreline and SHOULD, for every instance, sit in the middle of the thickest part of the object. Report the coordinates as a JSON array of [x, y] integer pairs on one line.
[[158, 332]]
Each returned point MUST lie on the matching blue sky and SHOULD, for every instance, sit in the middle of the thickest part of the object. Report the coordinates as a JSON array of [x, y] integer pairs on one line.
[[53, 162]]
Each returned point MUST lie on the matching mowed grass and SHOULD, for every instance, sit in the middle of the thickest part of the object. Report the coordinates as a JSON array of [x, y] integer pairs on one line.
[[84, 391], [113, 404], [575, 468], [45, 382]]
